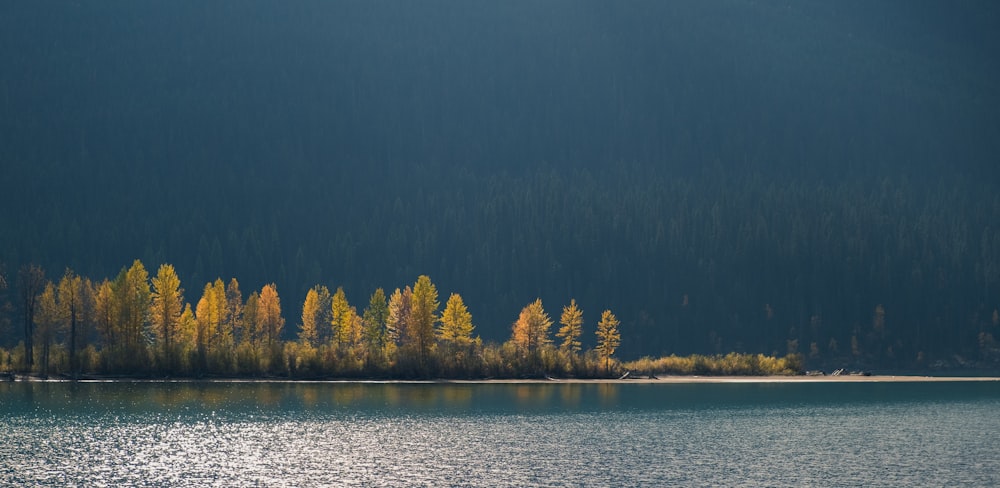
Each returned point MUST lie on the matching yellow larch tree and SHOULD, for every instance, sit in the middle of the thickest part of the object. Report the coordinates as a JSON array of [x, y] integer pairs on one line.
[[608, 337], [456, 322], [166, 307], [572, 328], [531, 331]]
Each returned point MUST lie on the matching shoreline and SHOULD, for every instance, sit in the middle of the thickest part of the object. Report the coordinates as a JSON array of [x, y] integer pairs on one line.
[[662, 380]]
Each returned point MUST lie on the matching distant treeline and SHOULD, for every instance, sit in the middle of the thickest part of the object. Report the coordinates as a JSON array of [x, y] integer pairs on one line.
[[137, 325], [886, 273]]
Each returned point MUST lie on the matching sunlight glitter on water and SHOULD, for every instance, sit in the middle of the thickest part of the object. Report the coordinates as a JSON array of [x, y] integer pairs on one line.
[[828, 442]]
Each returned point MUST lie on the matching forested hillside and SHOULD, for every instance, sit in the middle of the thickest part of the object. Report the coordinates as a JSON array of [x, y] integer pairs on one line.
[[726, 176]]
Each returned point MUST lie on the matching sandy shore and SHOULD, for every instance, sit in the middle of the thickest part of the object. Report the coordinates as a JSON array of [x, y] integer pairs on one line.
[[753, 379]]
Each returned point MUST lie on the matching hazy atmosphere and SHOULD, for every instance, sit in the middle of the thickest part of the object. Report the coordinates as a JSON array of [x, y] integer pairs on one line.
[[772, 177]]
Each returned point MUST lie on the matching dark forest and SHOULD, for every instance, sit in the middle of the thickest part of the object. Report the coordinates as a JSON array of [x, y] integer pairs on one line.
[[806, 177]]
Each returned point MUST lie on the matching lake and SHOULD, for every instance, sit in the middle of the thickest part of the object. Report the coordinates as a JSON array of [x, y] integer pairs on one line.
[[500, 434]]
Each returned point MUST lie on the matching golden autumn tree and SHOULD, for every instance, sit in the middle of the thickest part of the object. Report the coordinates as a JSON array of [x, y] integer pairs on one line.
[[71, 310], [132, 297], [234, 302], [204, 319], [456, 322], [423, 315], [572, 328], [105, 314], [399, 316], [309, 331], [271, 322], [184, 339], [608, 337], [215, 334], [342, 323], [165, 313], [531, 330], [47, 319], [249, 349]]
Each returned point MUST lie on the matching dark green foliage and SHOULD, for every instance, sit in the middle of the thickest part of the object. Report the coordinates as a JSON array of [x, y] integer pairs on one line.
[[724, 175]]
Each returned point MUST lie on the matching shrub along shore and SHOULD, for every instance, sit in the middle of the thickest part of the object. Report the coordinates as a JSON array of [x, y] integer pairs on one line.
[[137, 326]]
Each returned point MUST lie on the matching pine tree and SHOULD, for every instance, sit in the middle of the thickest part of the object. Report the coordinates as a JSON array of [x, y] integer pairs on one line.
[[572, 328], [608, 338], [456, 322]]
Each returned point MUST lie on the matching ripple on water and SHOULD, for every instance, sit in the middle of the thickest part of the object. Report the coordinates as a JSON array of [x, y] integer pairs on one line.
[[900, 444]]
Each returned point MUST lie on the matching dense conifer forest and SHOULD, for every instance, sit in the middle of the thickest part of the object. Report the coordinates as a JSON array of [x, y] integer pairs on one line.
[[817, 179]]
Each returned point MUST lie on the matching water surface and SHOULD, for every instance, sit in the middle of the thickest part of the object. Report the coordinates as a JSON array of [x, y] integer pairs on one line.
[[608, 434]]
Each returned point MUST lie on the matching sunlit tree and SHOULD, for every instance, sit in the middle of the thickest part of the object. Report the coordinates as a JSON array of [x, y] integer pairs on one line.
[[234, 302], [308, 332], [131, 290], [531, 330], [456, 322], [165, 312], [249, 349], [399, 315], [423, 316], [269, 314], [572, 328], [105, 317], [608, 337], [341, 319], [185, 337]]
